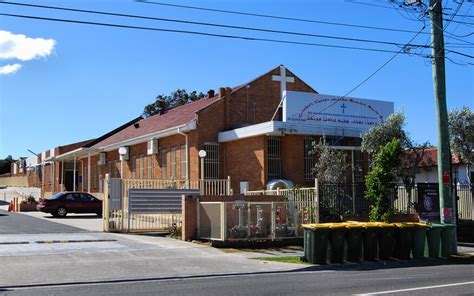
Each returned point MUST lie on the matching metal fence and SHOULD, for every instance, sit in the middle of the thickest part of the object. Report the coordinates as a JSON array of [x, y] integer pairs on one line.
[[304, 197], [155, 206], [330, 201], [247, 221]]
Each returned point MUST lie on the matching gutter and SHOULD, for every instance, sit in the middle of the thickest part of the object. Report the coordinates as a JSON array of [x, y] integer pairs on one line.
[[156, 135]]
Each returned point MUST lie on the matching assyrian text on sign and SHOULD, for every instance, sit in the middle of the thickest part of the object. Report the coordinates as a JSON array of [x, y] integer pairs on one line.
[[311, 108]]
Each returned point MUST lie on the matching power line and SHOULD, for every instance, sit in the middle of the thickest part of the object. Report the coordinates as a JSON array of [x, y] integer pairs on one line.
[[405, 49], [197, 33], [414, 9], [277, 17], [207, 24]]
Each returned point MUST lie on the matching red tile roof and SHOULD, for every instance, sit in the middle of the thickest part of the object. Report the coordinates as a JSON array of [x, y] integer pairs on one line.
[[172, 118], [431, 158]]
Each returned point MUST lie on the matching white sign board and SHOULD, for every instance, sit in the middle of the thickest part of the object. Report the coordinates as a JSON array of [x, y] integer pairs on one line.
[[334, 111]]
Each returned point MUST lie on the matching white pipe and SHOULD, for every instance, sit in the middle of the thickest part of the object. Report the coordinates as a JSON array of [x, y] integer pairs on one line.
[[74, 176], [62, 175], [89, 171]]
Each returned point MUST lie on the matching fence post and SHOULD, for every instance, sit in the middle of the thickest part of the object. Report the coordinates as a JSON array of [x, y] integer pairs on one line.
[[316, 192], [353, 199], [228, 185], [105, 203]]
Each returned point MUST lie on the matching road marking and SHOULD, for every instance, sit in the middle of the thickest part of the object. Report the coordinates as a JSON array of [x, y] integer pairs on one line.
[[418, 288], [14, 243], [75, 241]]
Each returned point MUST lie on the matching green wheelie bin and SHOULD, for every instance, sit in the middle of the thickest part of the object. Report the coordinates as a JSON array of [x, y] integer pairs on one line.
[[308, 239], [386, 240], [447, 240], [403, 240], [369, 241], [354, 241], [316, 243], [419, 240], [433, 236], [337, 238]]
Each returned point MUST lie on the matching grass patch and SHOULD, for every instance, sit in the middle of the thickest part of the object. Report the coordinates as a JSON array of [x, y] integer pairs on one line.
[[283, 259]]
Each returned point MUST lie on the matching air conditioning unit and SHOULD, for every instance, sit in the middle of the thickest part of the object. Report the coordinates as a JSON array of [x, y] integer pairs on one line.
[[102, 158], [124, 153], [152, 147]]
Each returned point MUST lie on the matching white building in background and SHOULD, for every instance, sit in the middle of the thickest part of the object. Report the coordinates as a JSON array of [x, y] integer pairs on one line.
[[429, 169]]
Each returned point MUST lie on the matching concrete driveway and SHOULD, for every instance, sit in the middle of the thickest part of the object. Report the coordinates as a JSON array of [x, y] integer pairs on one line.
[[89, 222]]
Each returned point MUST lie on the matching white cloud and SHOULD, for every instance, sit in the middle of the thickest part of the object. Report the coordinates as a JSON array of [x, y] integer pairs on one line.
[[9, 69], [21, 47]]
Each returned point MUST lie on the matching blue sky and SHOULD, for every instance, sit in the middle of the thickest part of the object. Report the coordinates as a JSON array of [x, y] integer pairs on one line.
[[97, 78]]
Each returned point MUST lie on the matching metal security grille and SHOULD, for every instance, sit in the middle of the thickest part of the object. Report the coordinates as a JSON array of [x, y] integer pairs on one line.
[[173, 163], [183, 162], [308, 158], [358, 169], [146, 201], [164, 164], [149, 167], [274, 158], [211, 161]]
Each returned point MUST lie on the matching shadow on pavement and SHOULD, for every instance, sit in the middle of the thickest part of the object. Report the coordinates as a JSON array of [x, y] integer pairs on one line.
[[78, 217]]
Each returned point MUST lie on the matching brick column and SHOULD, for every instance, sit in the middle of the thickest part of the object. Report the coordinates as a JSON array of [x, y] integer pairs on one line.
[[189, 205]]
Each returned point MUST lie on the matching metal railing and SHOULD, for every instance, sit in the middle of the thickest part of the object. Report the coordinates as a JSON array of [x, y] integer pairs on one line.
[[247, 221], [116, 204], [207, 186], [305, 197]]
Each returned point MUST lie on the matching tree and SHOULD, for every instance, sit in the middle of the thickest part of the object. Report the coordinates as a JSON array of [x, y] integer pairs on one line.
[[177, 98], [331, 165], [379, 179], [461, 132], [413, 153], [5, 165]]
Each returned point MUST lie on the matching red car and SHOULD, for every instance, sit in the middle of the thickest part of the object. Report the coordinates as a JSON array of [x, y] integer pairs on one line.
[[59, 205]]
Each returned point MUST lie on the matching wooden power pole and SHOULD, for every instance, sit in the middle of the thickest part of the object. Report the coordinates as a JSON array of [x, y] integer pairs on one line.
[[439, 84]]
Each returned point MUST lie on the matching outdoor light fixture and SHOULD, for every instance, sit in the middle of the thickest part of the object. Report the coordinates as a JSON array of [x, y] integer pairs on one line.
[[202, 155]]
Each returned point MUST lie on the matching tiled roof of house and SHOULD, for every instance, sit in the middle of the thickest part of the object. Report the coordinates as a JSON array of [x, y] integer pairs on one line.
[[173, 117], [431, 158]]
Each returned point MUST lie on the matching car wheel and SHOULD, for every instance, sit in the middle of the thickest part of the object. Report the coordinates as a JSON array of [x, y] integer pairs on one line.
[[61, 212]]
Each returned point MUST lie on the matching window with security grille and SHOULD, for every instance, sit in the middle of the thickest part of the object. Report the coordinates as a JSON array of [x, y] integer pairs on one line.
[[211, 161], [308, 158], [133, 162], [273, 158], [173, 162], [164, 164], [358, 165], [141, 167], [184, 164], [149, 166]]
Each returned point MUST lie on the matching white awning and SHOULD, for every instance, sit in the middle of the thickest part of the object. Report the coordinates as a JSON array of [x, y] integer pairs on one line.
[[279, 128]]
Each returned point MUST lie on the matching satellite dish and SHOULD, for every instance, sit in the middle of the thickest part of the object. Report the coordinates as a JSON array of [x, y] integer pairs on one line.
[[122, 150], [202, 153]]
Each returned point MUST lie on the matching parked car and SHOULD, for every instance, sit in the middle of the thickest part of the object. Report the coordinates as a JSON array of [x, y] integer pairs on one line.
[[59, 205]]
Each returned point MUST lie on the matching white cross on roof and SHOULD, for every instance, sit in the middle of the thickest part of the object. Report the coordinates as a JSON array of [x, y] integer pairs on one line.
[[283, 80]]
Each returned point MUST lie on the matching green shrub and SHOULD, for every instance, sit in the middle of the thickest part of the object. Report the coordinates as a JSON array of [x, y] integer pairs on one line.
[[379, 179]]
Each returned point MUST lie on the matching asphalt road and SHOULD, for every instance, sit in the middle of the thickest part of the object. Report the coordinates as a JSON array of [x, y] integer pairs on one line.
[[404, 280], [16, 223]]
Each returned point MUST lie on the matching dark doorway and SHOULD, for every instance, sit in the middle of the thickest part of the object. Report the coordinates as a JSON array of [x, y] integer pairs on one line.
[[69, 180]]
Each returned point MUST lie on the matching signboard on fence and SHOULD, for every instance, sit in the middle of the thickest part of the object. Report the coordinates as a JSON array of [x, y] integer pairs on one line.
[[428, 202]]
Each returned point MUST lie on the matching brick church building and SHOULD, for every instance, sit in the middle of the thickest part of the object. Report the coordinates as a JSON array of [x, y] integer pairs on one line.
[[256, 132]]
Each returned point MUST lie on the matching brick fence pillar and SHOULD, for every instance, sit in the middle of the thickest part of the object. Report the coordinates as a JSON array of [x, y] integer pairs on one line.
[[189, 205]]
